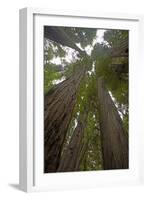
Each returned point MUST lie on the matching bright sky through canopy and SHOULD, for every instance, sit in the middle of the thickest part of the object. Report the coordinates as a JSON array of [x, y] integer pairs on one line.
[[71, 53]]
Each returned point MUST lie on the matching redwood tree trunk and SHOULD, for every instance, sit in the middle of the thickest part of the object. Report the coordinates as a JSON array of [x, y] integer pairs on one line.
[[114, 138], [71, 158], [58, 105]]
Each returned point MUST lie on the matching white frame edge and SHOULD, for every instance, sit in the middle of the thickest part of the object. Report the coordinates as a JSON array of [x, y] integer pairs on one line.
[[26, 84], [26, 100]]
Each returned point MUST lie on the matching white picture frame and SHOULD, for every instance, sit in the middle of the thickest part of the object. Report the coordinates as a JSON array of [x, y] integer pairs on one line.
[[31, 175]]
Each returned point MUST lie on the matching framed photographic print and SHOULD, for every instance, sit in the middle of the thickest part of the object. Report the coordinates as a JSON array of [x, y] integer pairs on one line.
[[79, 105]]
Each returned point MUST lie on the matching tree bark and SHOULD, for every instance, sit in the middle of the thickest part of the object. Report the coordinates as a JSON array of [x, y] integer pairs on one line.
[[58, 107], [71, 158], [114, 138]]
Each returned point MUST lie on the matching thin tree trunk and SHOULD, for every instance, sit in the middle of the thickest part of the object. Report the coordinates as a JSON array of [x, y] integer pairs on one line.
[[114, 138], [71, 158], [82, 154], [58, 107]]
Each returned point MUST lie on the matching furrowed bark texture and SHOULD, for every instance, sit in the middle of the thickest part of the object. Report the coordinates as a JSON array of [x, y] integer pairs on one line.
[[114, 138], [70, 160], [58, 105]]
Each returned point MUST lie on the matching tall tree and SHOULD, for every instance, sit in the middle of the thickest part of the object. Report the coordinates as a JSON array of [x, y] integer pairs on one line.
[[114, 138], [71, 158], [58, 107]]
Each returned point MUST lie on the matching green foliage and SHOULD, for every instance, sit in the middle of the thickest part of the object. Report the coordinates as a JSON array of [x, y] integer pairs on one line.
[[100, 50], [53, 50], [114, 37], [50, 74], [93, 156], [115, 83], [60, 52], [72, 68], [84, 36]]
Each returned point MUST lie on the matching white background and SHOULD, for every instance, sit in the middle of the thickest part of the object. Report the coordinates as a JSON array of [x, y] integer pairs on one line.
[[9, 99]]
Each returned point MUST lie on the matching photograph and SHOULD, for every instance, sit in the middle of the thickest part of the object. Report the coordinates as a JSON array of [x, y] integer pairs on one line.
[[86, 99]]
